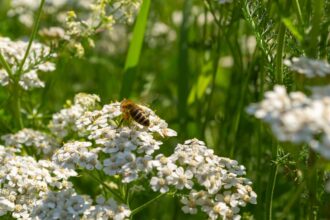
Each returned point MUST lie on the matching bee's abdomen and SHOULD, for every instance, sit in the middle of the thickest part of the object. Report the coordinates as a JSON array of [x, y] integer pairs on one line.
[[139, 116]]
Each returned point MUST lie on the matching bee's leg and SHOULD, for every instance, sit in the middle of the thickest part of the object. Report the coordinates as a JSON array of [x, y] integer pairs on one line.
[[125, 117], [121, 121]]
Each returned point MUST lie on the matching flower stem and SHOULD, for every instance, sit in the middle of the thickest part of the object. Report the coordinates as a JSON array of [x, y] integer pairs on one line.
[[279, 54], [5, 65], [33, 35], [106, 186], [138, 209], [272, 193], [300, 18], [318, 7]]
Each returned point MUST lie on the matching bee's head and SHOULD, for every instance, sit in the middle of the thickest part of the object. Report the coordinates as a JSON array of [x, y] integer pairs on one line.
[[126, 104]]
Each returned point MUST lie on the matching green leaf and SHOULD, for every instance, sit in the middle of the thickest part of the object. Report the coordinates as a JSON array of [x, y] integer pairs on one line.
[[294, 31], [199, 88], [134, 50]]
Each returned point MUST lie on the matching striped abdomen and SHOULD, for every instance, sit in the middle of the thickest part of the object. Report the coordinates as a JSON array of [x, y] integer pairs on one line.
[[138, 115]]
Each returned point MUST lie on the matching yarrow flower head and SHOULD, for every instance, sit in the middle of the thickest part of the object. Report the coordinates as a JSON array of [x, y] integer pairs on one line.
[[297, 118], [64, 122], [64, 204], [215, 184], [31, 138], [76, 154], [123, 149], [105, 210], [25, 180], [38, 60], [130, 147], [308, 67]]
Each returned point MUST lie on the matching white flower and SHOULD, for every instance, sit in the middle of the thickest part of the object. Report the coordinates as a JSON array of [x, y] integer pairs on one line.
[[159, 184], [190, 205], [129, 146], [224, 1], [309, 67], [65, 204], [4, 78], [64, 121], [182, 178], [37, 60], [24, 181], [105, 210], [297, 118], [194, 167], [30, 138], [77, 153]]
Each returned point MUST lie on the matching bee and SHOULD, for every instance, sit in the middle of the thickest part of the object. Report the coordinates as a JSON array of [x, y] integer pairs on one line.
[[132, 110]]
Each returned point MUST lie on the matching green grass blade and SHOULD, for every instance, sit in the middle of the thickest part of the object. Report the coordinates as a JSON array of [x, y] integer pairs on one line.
[[134, 50]]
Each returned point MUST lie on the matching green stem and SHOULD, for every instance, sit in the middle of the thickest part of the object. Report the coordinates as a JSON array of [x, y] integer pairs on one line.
[[316, 24], [17, 102], [106, 186], [33, 35], [300, 18], [272, 193], [6, 65], [260, 40], [279, 54], [138, 209]]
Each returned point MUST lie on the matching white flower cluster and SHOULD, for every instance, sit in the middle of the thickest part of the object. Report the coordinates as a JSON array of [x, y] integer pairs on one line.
[[126, 150], [224, 1], [37, 60], [31, 138], [76, 153], [25, 9], [25, 180], [215, 184], [297, 118], [65, 204], [105, 210], [64, 121], [308, 67], [129, 147]]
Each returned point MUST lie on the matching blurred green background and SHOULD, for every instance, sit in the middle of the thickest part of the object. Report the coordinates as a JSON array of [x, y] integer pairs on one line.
[[199, 72]]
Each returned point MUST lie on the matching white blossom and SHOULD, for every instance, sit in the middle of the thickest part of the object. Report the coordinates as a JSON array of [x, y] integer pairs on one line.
[[129, 147], [64, 204], [222, 189], [308, 67], [31, 138], [105, 210], [76, 153], [36, 61], [64, 121], [297, 118], [25, 180]]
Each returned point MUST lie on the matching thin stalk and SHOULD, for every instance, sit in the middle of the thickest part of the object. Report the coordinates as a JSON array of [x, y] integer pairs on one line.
[[300, 18], [17, 102], [107, 187], [272, 194], [316, 25], [279, 54], [272, 180], [260, 41], [138, 209], [213, 82], [33, 35], [6, 65]]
